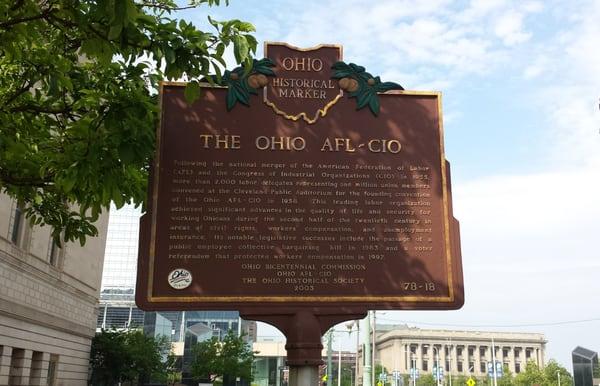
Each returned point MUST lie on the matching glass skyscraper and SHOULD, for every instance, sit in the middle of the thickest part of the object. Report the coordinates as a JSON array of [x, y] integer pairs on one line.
[[120, 259]]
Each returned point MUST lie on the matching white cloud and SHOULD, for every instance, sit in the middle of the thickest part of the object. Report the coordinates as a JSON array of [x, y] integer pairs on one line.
[[509, 28], [567, 66]]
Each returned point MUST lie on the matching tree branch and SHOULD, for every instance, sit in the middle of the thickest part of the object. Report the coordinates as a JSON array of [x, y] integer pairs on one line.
[[20, 91], [6, 25], [165, 7], [7, 178], [41, 109]]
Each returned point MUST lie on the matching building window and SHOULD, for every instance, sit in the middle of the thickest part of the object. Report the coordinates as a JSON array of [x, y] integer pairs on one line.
[[517, 367], [471, 351], [16, 366], [54, 253], [459, 350], [459, 366], [482, 351], [425, 349], [425, 366], [447, 366], [16, 225], [482, 367], [505, 352], [37, 363], [52, 366]]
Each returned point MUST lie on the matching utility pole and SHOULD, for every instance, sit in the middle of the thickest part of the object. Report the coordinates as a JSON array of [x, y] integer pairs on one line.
[[367, 351]]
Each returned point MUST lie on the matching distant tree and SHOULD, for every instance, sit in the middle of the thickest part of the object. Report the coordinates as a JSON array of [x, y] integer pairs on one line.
[[461, 380], [596, 371], [507, 378], [379, 369], [532, 375], [148, 356], [173, 370], [551, 374], [228, 359], [108, 358], [347, 374], [132, 356], [426, 380]]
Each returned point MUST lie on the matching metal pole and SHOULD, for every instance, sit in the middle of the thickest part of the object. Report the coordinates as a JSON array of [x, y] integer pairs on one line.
[[414, 374], [329, 353], [374, 347], [357, 345], [558, 375], [367, 351], [339, 365], [304, 375]]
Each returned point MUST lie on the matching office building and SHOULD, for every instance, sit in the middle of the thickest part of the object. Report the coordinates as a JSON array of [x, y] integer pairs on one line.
[[48, 300], [402, 348]]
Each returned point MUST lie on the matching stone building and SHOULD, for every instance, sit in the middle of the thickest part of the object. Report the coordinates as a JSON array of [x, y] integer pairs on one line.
[[48, 300], [457, 352]]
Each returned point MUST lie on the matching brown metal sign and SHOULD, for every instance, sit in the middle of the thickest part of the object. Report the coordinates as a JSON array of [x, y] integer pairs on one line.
[[250, 209]]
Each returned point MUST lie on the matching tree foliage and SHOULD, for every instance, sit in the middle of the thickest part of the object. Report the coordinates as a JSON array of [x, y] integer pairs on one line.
[[119, 356], [229, 358], [546, 376], [78, 82]]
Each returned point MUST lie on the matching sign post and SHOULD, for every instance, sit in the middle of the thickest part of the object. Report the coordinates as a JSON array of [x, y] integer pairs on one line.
[[303, 206]]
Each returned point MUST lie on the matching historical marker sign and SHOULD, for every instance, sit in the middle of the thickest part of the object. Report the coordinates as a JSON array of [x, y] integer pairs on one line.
[[300, 199]]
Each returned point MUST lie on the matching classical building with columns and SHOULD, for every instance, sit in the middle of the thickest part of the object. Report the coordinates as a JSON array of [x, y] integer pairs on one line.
[[48, 299], [457, 352]]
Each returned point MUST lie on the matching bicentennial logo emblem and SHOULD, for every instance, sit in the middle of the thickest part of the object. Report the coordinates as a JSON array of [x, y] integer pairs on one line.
[[180, 278]]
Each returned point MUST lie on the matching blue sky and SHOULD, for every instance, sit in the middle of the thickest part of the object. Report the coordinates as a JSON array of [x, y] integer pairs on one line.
[[521, 86]]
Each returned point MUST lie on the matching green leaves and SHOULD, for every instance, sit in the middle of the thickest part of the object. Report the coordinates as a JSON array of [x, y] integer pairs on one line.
[[78, 107], [127, 356], [192, 91], [362, 85], [237, 81], [231, 357]]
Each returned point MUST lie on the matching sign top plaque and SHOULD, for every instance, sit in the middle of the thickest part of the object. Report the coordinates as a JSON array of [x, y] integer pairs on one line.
[[303, 88]]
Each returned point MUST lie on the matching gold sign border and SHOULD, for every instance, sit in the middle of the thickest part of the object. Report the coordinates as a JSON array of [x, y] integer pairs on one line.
[[304, 115], [302, 299]]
